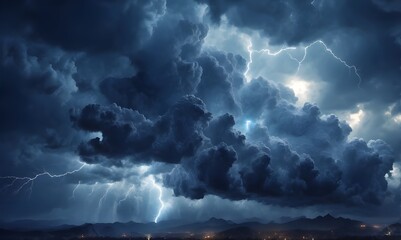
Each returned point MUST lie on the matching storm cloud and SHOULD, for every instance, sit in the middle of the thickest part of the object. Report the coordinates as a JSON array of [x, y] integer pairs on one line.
[[143, 91]]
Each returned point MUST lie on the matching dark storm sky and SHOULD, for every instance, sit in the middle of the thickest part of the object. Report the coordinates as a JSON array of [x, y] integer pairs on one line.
[[230, 109]]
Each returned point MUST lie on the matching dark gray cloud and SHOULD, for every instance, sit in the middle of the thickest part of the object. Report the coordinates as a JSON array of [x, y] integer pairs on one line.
[[292, 22], [85, 26], [315, 163], [220, 74], [322, 172], [127, 133], [159, 84]]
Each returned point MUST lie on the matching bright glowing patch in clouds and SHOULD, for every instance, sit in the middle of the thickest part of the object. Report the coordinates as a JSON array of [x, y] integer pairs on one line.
[[394, 178], [397, 118], [301, 89], [247, 124], [143, 169], [355, 119]]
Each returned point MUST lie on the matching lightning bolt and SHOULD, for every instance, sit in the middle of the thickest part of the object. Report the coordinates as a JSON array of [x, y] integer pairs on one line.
[[350, 67], [30, 180], [266, 51], [75, 189], [299, 62], [126, 195], [155, 185], [30, 189], [104, 195], [93, 189]]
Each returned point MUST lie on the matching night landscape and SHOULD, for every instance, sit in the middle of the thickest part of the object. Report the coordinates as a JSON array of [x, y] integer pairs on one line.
[[200, 119]]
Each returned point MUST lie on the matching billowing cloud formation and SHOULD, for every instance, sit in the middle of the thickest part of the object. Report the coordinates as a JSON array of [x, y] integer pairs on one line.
[[315, 164], [369, 38], [130, 89], [127, 133], [216, 159], [159, 84]]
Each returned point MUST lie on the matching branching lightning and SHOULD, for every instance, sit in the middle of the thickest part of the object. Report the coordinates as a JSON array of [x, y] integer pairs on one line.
[[155, 185], [126, 195], [265, 50], [75, 189], [305, 52], [30, 180], [350, 67], [93, 188], [104, 195]]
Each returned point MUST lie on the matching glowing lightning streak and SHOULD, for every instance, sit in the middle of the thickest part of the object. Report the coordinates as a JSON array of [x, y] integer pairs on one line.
[[160, 200], [27, 180], [248, 65], [93, 189], [265, 50], [305, 49], [75, 189], [126, 195], [104, 195], [350, 67]]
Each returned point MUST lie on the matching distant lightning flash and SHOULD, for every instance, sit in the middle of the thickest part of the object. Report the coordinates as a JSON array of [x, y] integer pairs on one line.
[[75, 189], [305, 50], [93, 188], [126, 195], [247, 124], [160, 200], [30, 180], [104, 195]]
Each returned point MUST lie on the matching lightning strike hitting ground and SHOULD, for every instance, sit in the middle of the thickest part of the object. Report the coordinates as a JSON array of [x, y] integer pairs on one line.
[[30, 180], [160, 200]]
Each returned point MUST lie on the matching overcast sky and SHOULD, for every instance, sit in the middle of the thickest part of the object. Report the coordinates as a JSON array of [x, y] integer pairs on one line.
[[179, 109]]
